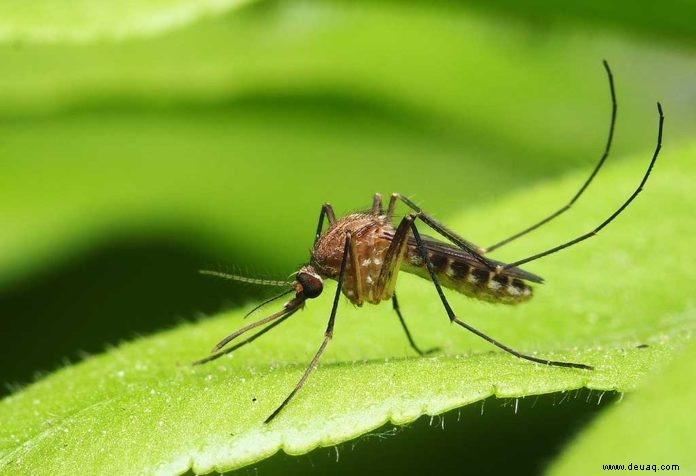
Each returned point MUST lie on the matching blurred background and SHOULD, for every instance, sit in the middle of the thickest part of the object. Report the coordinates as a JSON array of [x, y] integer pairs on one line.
[[141, 142]]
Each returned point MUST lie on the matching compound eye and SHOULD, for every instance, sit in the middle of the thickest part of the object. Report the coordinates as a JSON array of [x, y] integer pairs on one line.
[[312, 286]]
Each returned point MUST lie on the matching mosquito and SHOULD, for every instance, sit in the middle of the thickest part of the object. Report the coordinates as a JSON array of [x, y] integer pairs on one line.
[[364, 253]]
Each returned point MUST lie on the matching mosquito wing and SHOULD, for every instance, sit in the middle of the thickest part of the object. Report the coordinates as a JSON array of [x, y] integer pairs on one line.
[[438, 246]]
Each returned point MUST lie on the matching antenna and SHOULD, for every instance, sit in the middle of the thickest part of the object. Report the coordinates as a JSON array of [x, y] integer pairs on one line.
[[246, 279]]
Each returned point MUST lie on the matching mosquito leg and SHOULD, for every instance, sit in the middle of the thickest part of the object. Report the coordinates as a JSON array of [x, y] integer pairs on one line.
[[326, 210], [356, 274], [613, 215], [395, 305], [558, 212], [475, 251], [453, 317], [243, 343], [377, 204], [392, 206], [384, 287], [390, 270], [328, 334]]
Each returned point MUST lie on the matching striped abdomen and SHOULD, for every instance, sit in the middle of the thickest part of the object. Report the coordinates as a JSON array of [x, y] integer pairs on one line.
[[468, 277]]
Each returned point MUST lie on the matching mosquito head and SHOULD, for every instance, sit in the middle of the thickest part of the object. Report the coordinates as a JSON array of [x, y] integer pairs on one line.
[[308, 284]]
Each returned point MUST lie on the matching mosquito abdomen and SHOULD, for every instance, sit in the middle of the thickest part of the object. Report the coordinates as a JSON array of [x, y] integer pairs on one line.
[[467, 278]]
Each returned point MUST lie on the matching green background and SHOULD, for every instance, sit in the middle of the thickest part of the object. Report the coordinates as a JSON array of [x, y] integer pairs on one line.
[[143, 142]]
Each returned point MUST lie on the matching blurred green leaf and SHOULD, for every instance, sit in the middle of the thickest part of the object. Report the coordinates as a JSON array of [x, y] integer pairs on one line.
[[652, 428], [669, 19], [84, 21], [498, 80], [81, 21], [151, 135], [109, 412]]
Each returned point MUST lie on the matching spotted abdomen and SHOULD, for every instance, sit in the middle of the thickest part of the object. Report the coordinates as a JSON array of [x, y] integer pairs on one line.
[[468, 277]]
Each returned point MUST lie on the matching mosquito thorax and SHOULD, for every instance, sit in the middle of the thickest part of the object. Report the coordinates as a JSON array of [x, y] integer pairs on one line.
[[309, 283]]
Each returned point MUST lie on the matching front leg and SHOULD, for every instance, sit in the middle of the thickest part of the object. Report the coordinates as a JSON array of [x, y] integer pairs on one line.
[[328, 334]]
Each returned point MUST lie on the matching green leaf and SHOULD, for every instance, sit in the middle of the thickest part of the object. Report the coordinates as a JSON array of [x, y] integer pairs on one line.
[[74, 20], [110, 133], [142, 408], [654, 427], [669, 20], [511, 96], [80, 21]]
